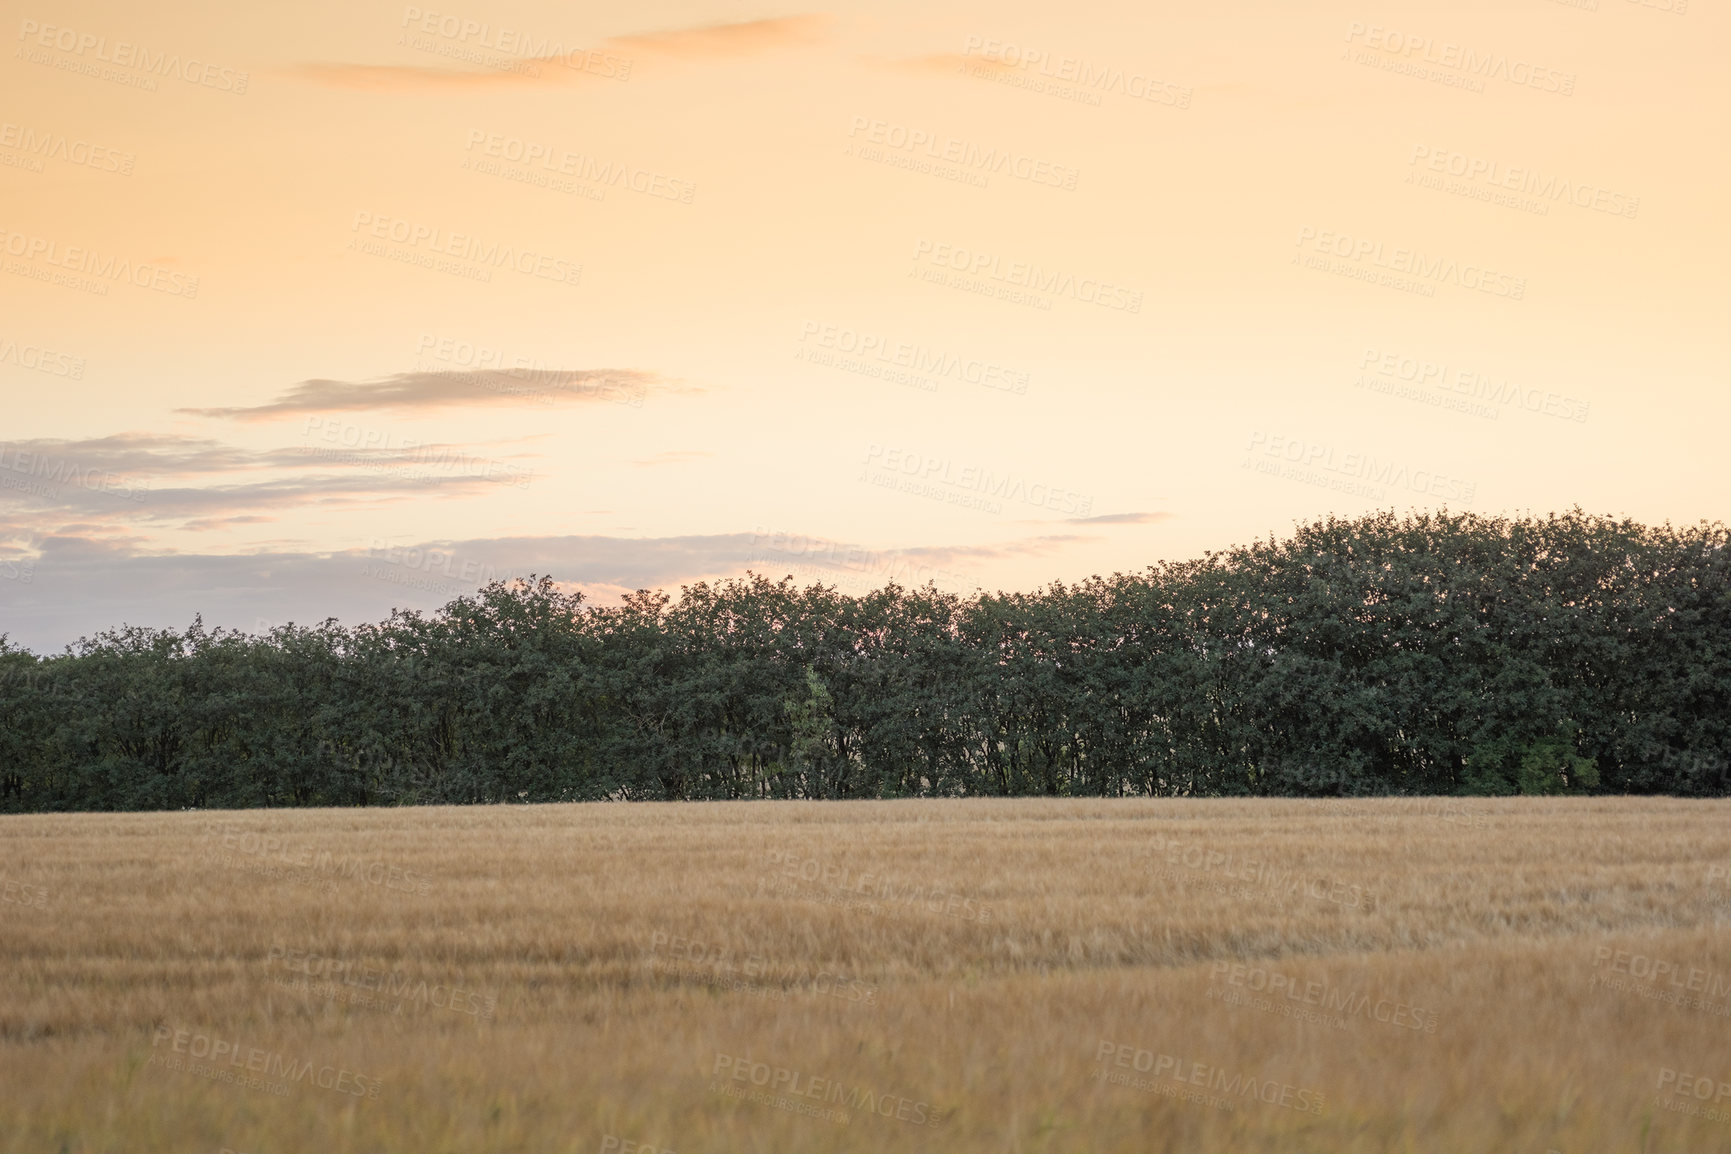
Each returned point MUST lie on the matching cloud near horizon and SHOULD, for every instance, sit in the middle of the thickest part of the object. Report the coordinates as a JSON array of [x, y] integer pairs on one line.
[[80, 584]]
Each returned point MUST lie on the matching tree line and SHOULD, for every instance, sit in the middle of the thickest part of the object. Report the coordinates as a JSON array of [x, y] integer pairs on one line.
[[1425, 654]]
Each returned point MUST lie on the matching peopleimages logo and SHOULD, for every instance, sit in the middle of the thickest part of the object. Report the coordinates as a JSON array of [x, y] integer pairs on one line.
[[395, 985], [580, 166], [1473, 64], [613, 1144], [792, 1086], [1683, 981], [1362, 251], [1025, 275], [870, 889], [827, 556], [698, 961], [988, 161], [106, 267], [231, 844], [1262, 875], [57, 146], [1331, 999], [1363, 468], [1436, 374], [943, 472], [435, 562], [1084, 74], [41, 360], [244, 1060], [1686, 1091], [918, 358], [428, 242], [464, 38], [493, 369], [61, 471], [1524, 179], [382, 451], [1227, 1084], [89, 46], [25, 894]]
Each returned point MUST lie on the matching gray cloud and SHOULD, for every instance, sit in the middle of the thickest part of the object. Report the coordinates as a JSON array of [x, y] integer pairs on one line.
[[136, 478], [438, 389]]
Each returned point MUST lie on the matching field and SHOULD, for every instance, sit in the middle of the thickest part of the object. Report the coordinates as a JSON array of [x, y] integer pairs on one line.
[[1021, 975]]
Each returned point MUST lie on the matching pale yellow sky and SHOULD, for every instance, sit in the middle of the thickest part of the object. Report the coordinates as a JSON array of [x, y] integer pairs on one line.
[[991, 293]]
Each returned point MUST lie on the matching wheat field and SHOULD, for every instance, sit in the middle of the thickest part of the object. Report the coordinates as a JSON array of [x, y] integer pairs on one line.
[[982, 975]]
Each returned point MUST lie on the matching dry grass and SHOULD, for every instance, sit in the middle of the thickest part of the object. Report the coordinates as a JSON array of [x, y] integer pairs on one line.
[[1043, 929]]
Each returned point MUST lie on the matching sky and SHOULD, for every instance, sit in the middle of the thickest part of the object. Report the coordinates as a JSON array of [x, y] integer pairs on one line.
[[326, 309]]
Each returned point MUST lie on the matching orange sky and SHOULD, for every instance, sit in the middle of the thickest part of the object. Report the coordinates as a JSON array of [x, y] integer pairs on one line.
[[344, 306]]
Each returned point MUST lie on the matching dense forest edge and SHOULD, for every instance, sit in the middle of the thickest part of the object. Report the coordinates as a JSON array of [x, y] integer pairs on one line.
[[1427, 654]]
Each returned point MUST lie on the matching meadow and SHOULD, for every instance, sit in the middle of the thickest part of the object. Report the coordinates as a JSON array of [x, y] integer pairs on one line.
[[1186, 976]]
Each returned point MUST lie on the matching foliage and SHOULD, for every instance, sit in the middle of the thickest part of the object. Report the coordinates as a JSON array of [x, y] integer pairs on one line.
[[1431, 654]]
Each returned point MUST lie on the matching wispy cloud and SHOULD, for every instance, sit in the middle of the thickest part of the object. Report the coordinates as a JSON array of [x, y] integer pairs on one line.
[[58, 459], [1121, 519], [673, 457], [106, 484], [439, 389], [610, 59], [1044, 545], [719, 41]]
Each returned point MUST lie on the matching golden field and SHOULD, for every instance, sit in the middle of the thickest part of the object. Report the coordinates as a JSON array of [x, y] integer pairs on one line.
[[984, 975]]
